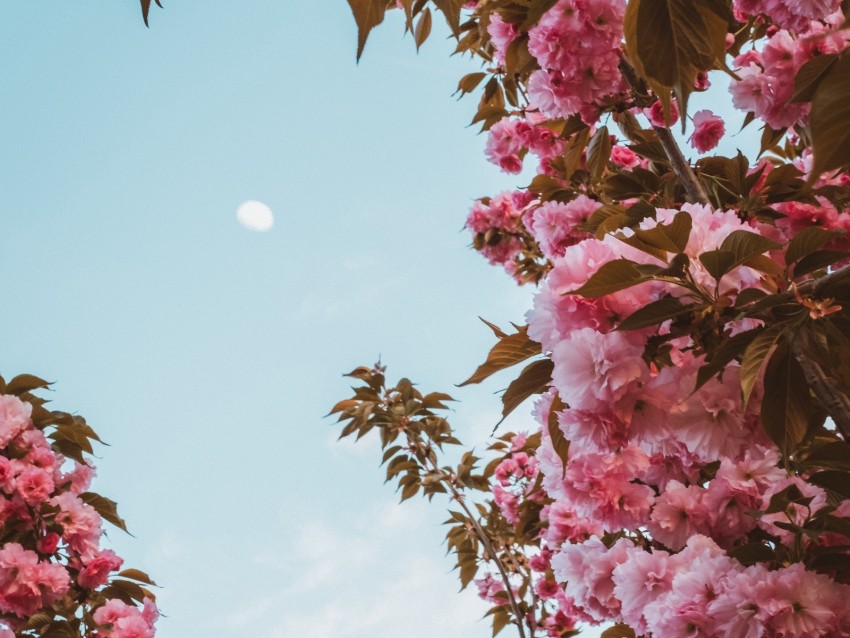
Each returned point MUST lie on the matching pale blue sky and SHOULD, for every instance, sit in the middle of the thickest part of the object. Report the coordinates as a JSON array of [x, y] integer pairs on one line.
[[206, 354]]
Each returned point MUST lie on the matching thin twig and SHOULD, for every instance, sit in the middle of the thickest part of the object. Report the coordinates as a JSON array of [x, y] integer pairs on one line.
[[482, 536], [834, 400]]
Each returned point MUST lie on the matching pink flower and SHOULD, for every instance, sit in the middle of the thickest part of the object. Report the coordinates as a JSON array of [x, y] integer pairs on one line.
[[708, 129], [14, 418], [120, 620], [547, 589], [678, 514], [639, 581], [655, 114], [97, 568], [624, 157], [35, 485], [592, 369], [587, 570]]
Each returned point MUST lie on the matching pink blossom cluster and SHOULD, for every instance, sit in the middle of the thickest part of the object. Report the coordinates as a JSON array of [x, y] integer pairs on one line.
[[700, 591], [556, 225], [497, 225], [766, 83], [577, 44], [640, 442], [796, 15], [57, 534], [510, 139], [120, 620]]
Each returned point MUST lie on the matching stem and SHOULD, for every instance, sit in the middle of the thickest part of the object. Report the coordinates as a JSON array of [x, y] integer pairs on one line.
[[694, 189], [833, 399], [482, 536]]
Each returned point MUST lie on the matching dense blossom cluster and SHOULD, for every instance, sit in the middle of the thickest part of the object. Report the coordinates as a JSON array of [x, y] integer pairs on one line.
[[51, 561], [686, 479], [663, 485]]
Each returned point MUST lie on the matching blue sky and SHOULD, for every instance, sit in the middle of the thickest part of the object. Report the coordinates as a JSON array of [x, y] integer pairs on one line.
[[206, 354]]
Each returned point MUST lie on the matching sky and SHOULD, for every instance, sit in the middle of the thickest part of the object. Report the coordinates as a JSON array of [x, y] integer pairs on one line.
[[206, 354]]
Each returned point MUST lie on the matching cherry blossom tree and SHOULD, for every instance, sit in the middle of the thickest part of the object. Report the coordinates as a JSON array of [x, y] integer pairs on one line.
[[688, 343]]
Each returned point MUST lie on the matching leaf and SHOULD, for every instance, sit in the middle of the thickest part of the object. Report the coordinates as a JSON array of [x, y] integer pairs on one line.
[[834, 456], [423, 28], [810, 75], [752, 553], [738, 247], [834, 480], [367, 14], [451, 11], [729, 349], [469, 82], [599, 152], [828, 120], [500, 621], [25, 383], [787, 402], [818, 260], [670, 41], [138, 575], [807, 241], [654, 314], [106, 508], [535, 12], [534, 379], [754, 358], [559, 441], [611, 277], [510, 350], [619, 631], [146, 7]]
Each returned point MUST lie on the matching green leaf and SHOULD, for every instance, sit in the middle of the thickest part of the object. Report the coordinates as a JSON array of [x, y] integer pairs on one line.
[[108, 509], [599, 152], [611, 277], [146, 7], [810, 75], [828, 120], [559, 441], [534, 379], [655, 313], [367, 14], [510, 350], [787, 402]]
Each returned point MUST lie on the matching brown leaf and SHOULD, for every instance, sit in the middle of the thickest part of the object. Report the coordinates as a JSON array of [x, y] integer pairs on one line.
[[367, 14]]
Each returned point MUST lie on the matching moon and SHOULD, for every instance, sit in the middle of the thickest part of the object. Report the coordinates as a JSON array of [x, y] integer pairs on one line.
[[255, 216]]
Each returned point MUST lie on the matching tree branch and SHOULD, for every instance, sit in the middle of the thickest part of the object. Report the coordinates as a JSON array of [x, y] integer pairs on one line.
[[834, 400], [482, 536], [694, 189]]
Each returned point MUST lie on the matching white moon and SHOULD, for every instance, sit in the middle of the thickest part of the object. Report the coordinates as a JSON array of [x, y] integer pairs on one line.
[[255, 215]]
